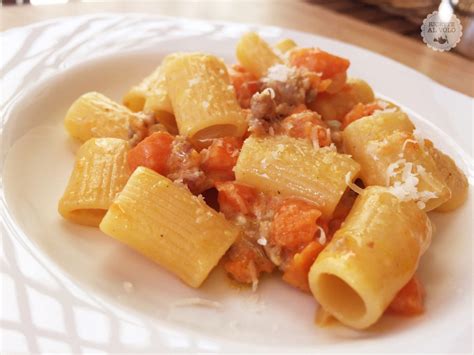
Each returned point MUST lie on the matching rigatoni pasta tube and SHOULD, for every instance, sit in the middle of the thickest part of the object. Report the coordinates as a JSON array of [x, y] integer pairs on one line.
[[452, 176], [285, 45], [100, 172], [153, 86], [255, 54], [292, 167], [151, 96], [380, 125], [169, 225], [95, 115], [335, 106], [203, 100], [370, 258], [390, 155]]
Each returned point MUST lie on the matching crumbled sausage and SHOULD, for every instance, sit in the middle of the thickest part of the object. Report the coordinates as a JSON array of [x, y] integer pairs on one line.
[[184, 166], [283, 89]]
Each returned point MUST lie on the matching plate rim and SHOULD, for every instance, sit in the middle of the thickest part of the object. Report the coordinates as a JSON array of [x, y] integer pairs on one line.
[[30, 245]]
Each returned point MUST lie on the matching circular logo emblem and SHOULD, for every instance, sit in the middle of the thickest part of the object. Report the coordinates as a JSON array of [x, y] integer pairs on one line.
[[439, 33]]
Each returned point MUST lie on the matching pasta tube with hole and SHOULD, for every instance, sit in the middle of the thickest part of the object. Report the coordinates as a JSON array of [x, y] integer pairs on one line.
[[100, 172], [292, 167], [255, 54], [335, 106], [370, 258], [390, 155], [94, 115], [169, 225], [203, 100]]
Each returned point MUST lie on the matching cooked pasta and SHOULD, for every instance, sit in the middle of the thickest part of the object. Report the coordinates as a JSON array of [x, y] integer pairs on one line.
[[292, 167], [204, 102], [301, 171], [95, 115], [169, 225], [255, 54], [285, 45], [370, 258], [136, 97], [100, 172], [452, 176], [151, 96], [335, 106], [390, 155]]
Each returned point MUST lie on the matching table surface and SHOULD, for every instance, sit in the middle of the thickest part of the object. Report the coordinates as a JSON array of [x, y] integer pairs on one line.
[[446, 68]]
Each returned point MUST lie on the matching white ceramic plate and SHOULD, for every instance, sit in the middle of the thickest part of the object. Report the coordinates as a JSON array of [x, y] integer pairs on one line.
[[72, 289]]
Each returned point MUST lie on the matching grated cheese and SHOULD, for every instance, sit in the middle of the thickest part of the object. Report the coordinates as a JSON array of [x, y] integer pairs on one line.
[[128, 287], [193, 81], [279, 149], [408, 141], [421, 205], [392, 167], [347, 255], [332, 147], [382, 104], [315, 138], [322, 236], [419, 138], [262, 241], [334, 124], [254, 275], [254, 285], [351, 185], [407, 188], [385, 110], [279, 72], [196, 301], [269, 91]]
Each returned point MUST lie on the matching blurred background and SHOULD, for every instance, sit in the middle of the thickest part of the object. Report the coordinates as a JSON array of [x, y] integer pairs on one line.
[[402, 16], [391, 28]]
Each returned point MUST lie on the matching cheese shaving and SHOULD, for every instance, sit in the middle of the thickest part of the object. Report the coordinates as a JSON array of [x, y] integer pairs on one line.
[[128, 287], [383, 104], [334, 124], [332, 147], [279, 72], [269, 91], [408, 141], [315, 138], [392, 167], [254, 285], [253, 272], [421, 205], [193, 81], [351, 185], [322, 236], [196, 301], [406, 188], [419, 138]]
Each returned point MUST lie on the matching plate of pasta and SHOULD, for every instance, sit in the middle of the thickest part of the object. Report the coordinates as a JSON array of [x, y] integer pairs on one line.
[[215, 186]]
